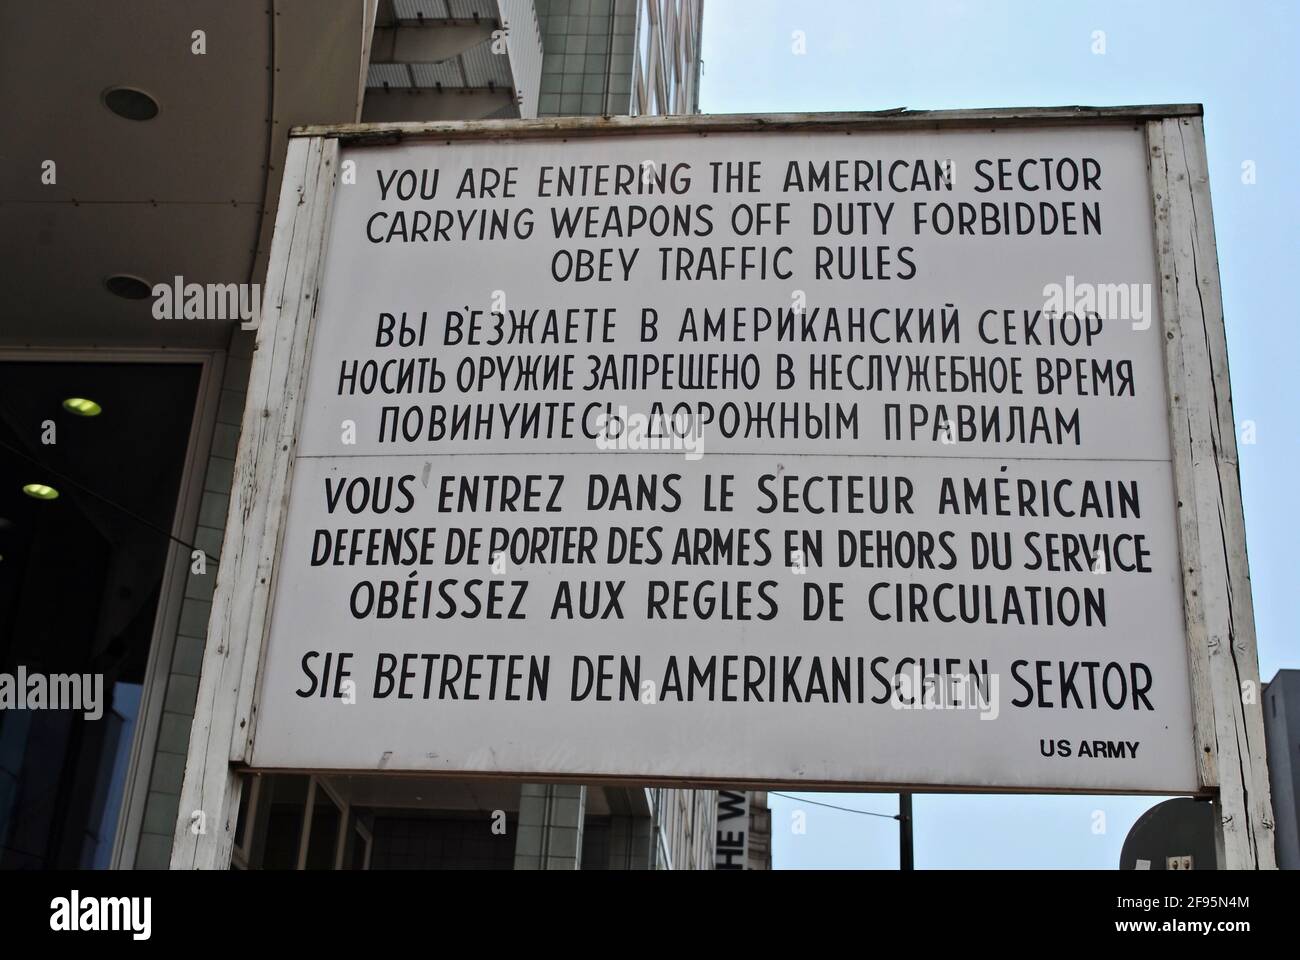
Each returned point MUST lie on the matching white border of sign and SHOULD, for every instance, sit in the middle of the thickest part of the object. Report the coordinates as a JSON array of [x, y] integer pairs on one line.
[[1224, 670]]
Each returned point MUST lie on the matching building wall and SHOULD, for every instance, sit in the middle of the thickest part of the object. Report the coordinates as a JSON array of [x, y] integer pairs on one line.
[[666, 75], [1281, 703], [687, 825], [168, 769], [587, 57], [552, 818], [760, 832], [618, 57]]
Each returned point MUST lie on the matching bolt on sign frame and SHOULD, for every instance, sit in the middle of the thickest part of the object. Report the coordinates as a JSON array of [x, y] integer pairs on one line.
[[1222, 669]]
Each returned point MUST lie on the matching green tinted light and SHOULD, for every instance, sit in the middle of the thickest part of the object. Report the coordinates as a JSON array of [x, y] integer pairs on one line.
[[40, 491], [82, 407]]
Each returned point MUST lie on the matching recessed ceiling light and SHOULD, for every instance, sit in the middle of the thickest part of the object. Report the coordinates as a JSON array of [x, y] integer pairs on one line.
[[82, 407], [128, 287], [40, 491], [131, 103]]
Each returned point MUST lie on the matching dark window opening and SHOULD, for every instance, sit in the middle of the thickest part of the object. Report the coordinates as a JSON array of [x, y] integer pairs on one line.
[[80, 580]]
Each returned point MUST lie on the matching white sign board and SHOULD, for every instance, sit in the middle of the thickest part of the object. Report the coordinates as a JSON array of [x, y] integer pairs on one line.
[[787, 457]]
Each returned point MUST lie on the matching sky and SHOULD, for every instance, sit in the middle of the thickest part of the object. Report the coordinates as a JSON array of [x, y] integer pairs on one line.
[[1239, 59]]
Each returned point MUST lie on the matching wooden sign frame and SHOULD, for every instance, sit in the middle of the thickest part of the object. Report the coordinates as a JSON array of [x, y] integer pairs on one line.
[[1223, 668]]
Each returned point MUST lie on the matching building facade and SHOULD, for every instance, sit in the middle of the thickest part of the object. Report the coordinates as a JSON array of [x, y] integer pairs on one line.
[[612, 57], [1281, 702], [162, 165], [498, 59]]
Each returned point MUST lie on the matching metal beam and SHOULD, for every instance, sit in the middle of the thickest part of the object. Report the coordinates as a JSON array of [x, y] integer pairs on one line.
[[434, 42], [433, 104], [896, 119]]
